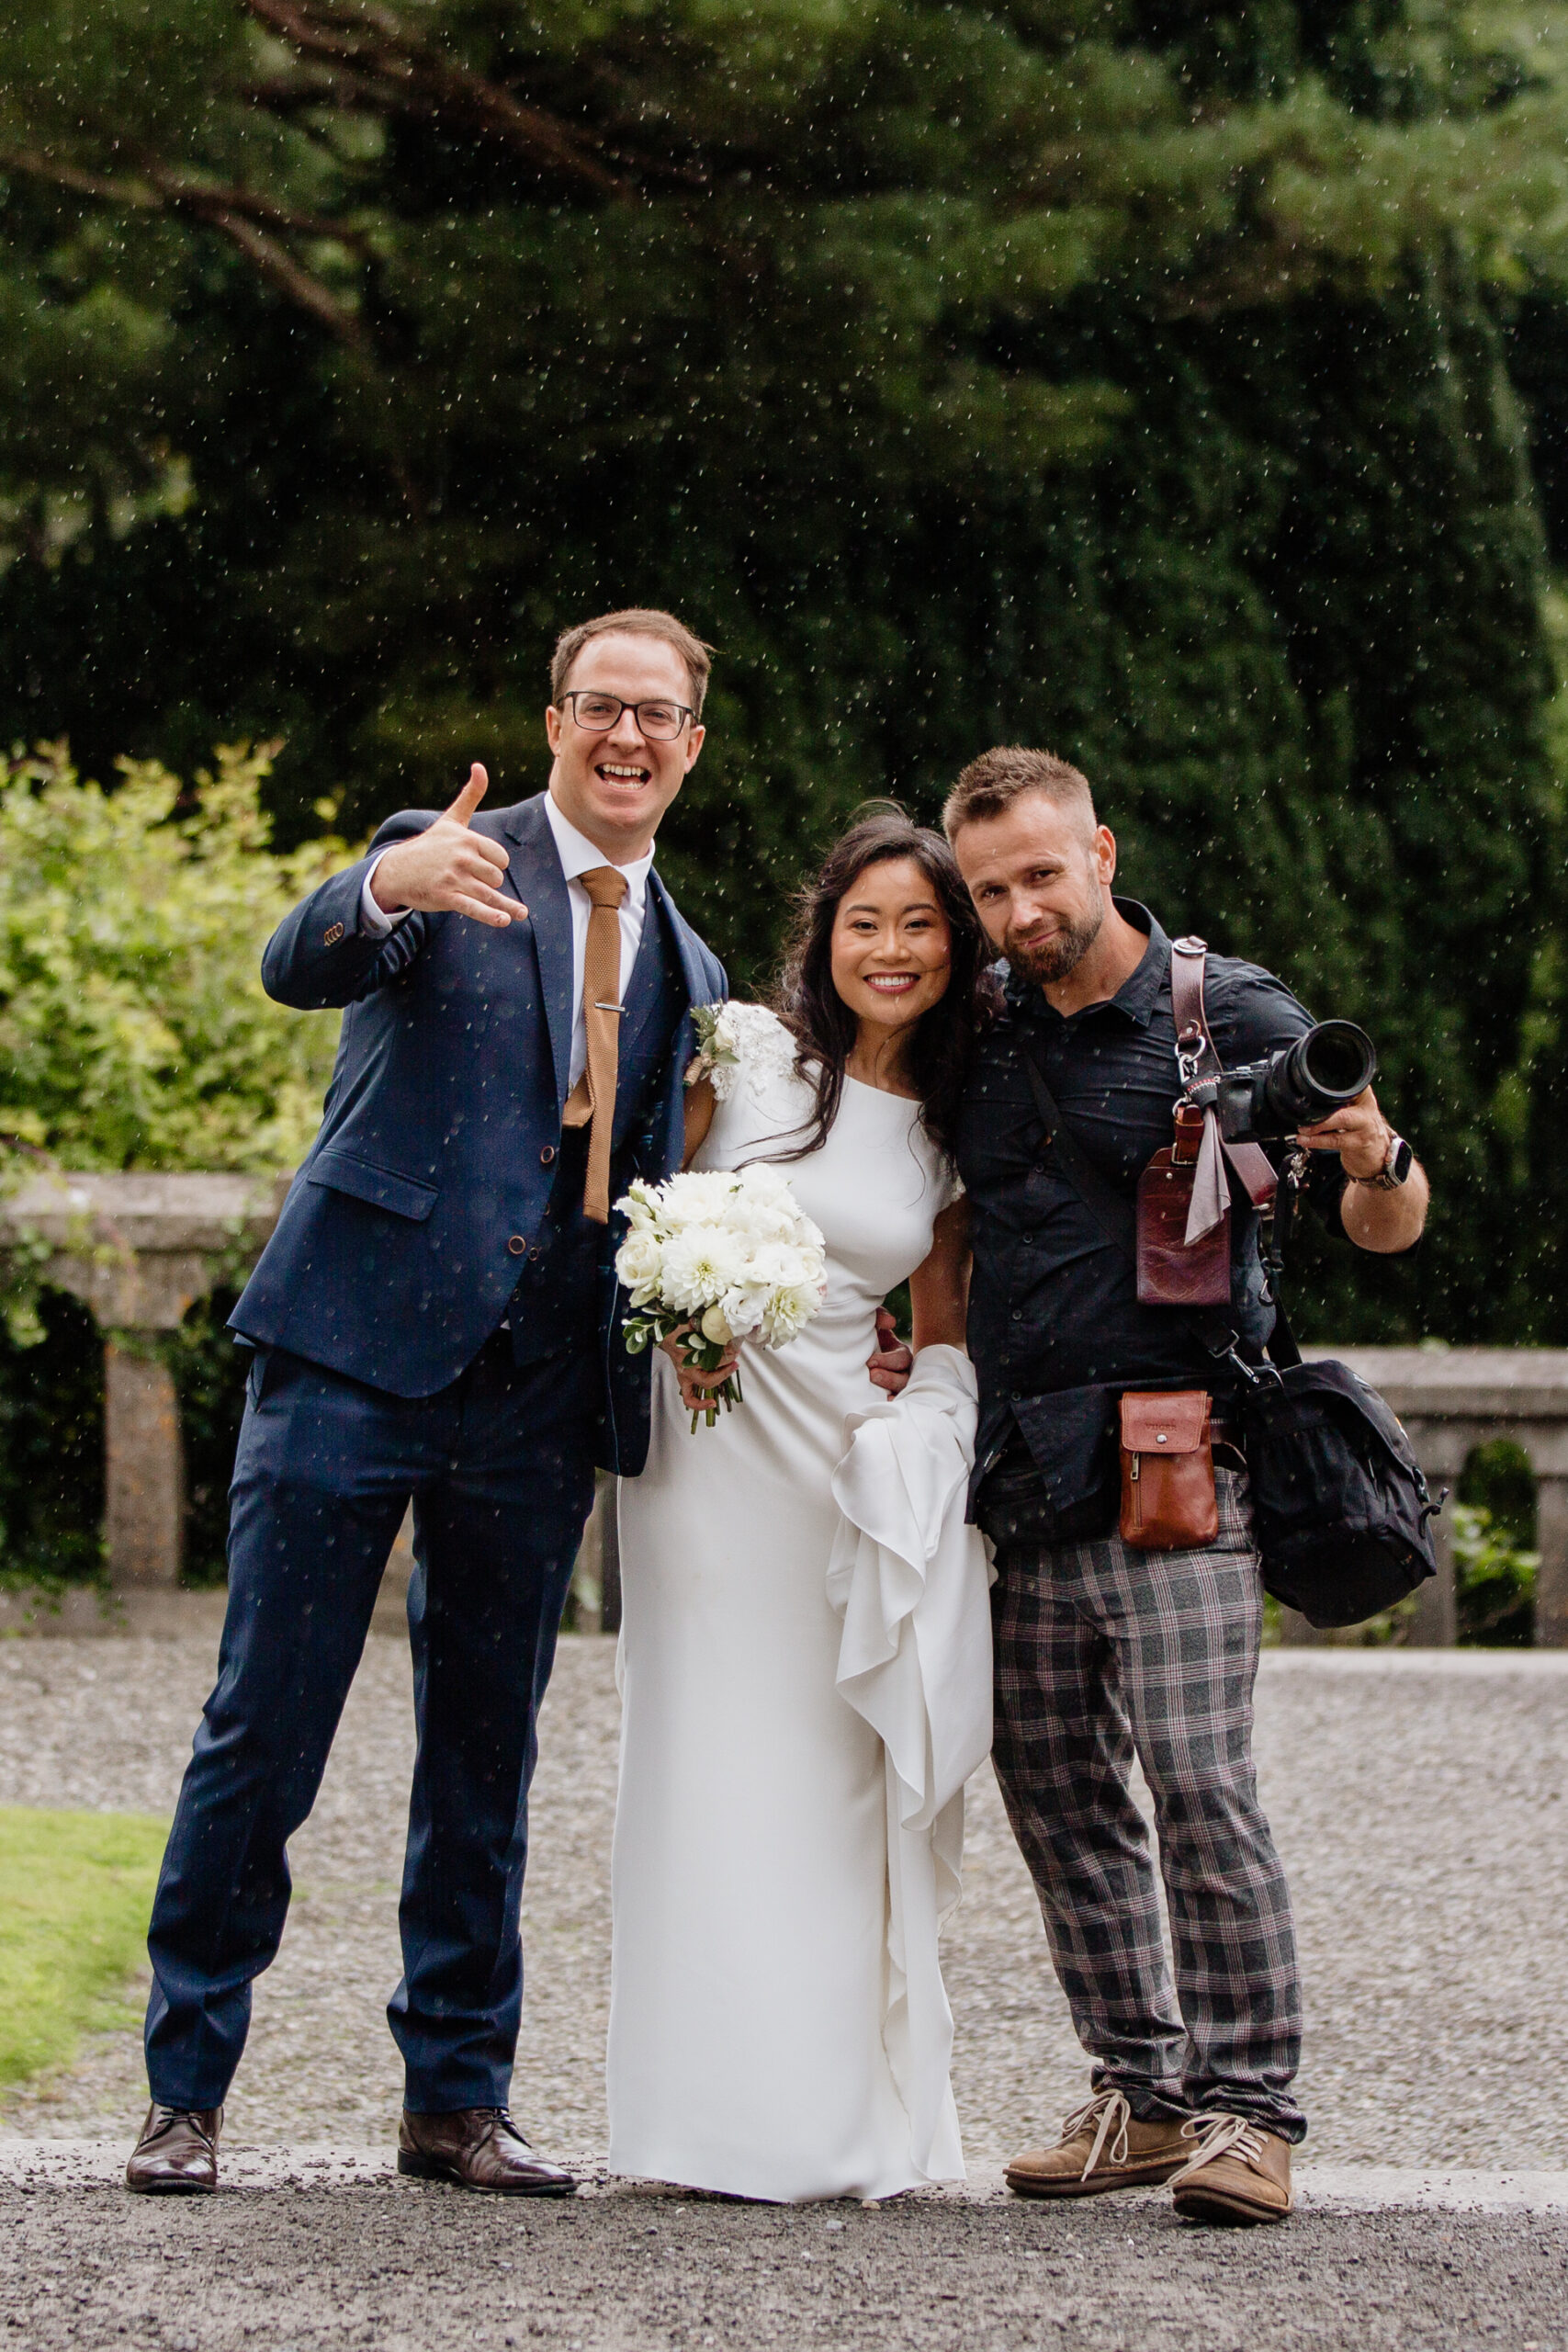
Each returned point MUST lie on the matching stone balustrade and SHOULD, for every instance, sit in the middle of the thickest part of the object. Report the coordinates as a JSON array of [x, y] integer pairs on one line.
[[141, 1250]]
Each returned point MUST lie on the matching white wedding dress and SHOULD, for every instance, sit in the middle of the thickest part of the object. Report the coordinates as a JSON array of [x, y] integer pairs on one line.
[[807, 1685]]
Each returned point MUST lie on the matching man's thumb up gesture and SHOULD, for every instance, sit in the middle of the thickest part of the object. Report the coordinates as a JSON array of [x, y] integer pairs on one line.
[[449, 867]]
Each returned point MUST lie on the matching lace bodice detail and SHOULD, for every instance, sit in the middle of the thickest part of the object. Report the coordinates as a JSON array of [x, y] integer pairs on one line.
[[746, 1043]]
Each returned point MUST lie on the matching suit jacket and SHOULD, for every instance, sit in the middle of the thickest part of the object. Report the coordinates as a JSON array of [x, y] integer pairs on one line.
[[403, 1235]]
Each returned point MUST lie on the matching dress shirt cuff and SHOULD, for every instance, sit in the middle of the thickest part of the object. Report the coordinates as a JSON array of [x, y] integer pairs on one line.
[[373, 919]]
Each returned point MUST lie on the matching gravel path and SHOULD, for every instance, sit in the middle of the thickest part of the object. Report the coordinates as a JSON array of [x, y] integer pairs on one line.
[[412, 2269], [1420, 1801]]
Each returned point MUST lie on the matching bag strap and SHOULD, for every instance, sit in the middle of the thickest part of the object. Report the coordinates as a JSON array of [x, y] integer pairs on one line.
[[1111, 1210], [1189, 958]]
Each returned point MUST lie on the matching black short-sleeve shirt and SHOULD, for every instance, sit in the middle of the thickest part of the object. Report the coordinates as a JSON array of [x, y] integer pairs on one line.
[[1053, 1304]]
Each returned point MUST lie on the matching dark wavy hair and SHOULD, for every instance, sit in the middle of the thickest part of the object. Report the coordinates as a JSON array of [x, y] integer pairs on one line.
[[820, 1021]]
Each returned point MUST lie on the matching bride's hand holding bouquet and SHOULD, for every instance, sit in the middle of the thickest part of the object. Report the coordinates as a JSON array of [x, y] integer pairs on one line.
[[713, 1257]]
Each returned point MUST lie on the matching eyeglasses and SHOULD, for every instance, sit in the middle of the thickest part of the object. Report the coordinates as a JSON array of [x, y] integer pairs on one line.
[[596, 714]]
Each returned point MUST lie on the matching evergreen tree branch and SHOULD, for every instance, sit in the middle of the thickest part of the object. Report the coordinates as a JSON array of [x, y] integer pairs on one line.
[[247, 220], [397, 69]]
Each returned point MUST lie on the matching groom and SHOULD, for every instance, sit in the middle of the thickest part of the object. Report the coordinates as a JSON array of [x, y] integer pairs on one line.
[[435, 1318]]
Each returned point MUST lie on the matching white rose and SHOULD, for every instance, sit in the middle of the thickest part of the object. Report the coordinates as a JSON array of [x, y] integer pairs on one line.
[[639, 1263], [701, 1262], [759, 1181], [637, 1206], [779, 1266], [722, 1037], [715, 1326], [744, 1307], [759, 1220]]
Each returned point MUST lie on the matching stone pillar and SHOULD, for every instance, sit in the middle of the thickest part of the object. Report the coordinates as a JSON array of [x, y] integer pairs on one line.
[[1435, 1622], [144, 1465], [1551, 1579]]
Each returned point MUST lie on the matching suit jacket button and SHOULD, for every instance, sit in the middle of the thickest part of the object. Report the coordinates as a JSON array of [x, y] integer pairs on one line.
[[330, 937], [517, 1244], [546, 1155]]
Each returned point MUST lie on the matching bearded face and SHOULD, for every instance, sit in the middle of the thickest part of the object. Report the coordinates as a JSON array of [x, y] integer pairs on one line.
[[1049, 951]]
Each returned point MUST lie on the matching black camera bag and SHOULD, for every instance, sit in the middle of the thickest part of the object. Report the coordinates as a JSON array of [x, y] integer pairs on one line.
[[1340, 1504]]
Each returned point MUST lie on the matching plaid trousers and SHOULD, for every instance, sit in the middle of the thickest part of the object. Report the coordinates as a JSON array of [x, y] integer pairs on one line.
[[1102, 1650]]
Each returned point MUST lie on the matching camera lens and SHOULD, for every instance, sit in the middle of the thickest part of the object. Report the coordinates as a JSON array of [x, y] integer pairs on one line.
[[1329, 1065], [1337, 1060]]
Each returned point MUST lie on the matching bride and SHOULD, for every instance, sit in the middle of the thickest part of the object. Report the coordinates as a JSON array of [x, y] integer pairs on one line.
[[806, 1639]]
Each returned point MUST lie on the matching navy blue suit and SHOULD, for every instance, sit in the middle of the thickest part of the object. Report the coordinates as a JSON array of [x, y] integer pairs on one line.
[[441, 1199]]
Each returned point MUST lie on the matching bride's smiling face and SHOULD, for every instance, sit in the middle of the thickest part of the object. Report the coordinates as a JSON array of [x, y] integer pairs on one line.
[[892, 948]]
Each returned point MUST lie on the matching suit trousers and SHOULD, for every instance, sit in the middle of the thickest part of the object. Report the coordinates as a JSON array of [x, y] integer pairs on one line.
[[1101, 1652], [500, 1468]]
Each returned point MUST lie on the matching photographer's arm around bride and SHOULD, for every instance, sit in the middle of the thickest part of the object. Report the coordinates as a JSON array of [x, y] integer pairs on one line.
[[800, 1589]]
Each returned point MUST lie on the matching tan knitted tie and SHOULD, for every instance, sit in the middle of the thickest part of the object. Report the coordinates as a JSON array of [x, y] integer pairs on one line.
[[594, 1096]]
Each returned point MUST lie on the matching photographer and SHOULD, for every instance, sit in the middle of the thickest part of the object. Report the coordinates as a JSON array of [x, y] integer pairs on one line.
[[1103, 1649]]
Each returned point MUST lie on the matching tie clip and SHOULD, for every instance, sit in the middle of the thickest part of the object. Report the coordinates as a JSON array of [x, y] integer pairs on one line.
[[608, 1008]]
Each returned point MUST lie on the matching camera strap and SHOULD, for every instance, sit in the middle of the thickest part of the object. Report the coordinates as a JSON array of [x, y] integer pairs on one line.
[[1195, 1050]]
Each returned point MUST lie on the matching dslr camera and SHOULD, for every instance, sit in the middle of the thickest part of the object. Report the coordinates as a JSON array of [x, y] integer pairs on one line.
[[1267, 1101]]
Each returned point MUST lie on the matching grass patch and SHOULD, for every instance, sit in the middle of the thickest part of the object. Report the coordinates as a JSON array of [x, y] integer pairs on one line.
[[75, 1891]]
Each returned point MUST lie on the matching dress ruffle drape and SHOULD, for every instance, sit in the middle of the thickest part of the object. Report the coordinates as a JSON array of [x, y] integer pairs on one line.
[[911, 1581]]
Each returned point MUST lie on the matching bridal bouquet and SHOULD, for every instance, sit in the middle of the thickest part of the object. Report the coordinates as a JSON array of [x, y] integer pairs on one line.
[[719, 1255]]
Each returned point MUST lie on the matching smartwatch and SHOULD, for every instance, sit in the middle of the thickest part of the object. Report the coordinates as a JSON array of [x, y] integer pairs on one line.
[[1396, 1167]]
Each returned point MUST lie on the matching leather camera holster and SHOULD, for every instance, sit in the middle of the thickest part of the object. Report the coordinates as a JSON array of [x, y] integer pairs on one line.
[[1168, 1471], [1173, 1272]]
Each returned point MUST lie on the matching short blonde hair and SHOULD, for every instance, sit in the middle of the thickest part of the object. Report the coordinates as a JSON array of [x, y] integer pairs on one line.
[[637, 621], [988, 786]]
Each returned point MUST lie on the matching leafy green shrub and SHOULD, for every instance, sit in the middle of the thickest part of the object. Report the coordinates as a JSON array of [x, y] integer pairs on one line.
[[51, 1446], [134, 1029], [1494, 1539], [135, 1034], [1493, 1582], [210, 1379]]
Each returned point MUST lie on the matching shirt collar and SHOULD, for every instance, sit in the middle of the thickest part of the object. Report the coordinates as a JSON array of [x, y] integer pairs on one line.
[[578, 855], [1138, 993]]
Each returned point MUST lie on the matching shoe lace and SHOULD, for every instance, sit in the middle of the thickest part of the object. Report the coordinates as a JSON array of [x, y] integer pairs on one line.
[[1219, 2135], [500, 2120], [1109, 2115], [165, 2117]]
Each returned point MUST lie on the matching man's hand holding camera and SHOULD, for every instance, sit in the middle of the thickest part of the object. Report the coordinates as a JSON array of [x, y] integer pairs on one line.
[[1374, 1219]]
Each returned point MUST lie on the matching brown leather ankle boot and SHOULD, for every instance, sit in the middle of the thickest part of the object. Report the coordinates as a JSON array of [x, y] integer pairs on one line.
[[1239, 2171], [1103, 2145]]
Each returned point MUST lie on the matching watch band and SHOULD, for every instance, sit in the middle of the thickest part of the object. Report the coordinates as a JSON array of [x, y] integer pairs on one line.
[[1397, 1163]]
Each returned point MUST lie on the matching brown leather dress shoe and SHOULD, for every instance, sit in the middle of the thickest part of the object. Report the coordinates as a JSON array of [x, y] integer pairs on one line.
[[1240, 2171], [1103, 2145], [177, 2153], [478, 2147]]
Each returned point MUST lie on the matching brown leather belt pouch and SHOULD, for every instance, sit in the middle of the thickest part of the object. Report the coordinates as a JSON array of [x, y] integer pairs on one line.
[[1168, 1470]]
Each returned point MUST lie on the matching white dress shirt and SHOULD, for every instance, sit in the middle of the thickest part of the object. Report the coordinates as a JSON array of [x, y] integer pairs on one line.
[[577, 853]]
